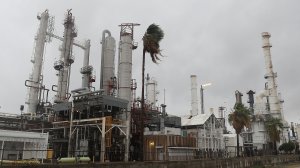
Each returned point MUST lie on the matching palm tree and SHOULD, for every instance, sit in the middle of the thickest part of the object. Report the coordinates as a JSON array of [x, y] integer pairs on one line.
[[239, 119], [151, 39], [273, 127]]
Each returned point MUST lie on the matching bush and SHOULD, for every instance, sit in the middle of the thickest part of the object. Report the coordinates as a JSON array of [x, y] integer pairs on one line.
[[287, 147]]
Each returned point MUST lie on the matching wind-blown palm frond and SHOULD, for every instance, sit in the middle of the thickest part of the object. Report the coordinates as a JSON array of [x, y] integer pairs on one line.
[[239, 118], [151, 39]]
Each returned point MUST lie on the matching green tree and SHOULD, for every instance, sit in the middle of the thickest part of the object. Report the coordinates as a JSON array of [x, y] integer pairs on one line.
[[239, 118], [287, 147], [273, 127], [153, 35]]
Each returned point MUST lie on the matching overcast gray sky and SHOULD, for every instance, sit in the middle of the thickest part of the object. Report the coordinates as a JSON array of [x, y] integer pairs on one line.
[[217, 40]]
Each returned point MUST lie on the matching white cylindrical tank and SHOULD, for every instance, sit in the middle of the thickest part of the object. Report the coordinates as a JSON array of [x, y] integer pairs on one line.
[[194, 97], [125, 68], [151, 92], [86, 69], [271, 78], [35, 77], [108, 66]]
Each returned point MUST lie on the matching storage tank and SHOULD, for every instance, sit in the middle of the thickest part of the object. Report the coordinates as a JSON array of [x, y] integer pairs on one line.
[[108, 63]]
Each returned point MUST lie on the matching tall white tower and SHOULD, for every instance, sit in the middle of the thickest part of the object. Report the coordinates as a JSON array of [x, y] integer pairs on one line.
[[63, 66], [107, 63], [125, 62], [35, 79], [125, 75], [271, 87], [194, 100], [86, 69], [151, 91]]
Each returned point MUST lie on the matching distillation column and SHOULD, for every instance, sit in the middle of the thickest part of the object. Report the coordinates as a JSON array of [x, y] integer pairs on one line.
[[151, 92], [63, 66], [271, 89], [125, 75], [107, 81], [194, 92], [125, 68], [35, 79], [86, 69]]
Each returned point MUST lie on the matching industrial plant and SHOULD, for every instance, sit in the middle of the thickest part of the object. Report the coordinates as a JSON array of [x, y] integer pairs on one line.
[[107, 123]]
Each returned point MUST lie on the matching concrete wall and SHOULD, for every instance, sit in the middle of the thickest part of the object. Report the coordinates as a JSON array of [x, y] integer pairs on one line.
[[218, 163]]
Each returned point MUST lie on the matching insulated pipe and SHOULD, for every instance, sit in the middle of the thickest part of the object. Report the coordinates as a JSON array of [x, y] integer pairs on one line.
[[260, 106], [260, 96]]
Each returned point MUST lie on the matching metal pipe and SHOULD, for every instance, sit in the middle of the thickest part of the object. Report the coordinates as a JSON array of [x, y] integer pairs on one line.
[[202, 101], [194, 96], [88, 93]]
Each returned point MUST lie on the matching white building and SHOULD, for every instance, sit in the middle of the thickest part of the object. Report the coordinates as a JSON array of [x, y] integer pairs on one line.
[[17, 145], [207, 129]]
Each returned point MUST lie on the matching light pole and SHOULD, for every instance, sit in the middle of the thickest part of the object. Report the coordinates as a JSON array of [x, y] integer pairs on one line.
[[201, 95]]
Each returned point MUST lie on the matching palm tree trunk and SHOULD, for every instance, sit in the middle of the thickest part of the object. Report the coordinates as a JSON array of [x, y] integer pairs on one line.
[[275, 147], [143, 106], [237, 145]]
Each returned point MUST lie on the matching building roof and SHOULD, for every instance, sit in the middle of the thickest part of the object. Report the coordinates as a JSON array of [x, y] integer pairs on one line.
[[199, 119], [22, 136]]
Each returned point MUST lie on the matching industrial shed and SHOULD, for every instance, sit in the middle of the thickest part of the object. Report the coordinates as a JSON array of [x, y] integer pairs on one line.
[[17, 145]]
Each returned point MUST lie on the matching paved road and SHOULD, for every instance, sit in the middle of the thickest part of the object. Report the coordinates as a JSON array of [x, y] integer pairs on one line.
[[294, 165], [291, 165]]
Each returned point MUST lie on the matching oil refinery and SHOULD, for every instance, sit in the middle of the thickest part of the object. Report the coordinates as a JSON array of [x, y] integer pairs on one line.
[[106, 123]]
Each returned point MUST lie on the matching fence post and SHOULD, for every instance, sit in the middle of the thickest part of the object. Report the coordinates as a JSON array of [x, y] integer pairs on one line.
[[2, 151]]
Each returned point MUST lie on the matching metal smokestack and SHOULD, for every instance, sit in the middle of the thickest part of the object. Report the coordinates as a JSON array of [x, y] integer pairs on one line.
[[271, 77], [251, 100], [238, 96], [194, 96]]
